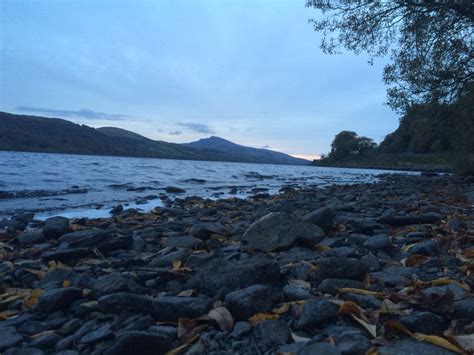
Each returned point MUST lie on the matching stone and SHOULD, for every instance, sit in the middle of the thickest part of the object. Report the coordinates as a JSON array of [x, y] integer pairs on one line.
[[426, 248], [295, 293], [424, 322], [115, 282], [457, 291], [47, 341], [364, 301], [86, 238], [269, 334], [167, 259], [55, 227], [33, 327], [31, 238], [279, 231], [332, 285], [67, 255], [186, 241], [24, 351], [365, 225], [321, 217], [9, 338], [222, 276], [464, 308], [241, 329], [174, 190], [143, 343], [342, 268], [353, 344], [408, 346], [378, 242], [317, 313], [57, 299], [97, 335], [319, 348], [242, 304]]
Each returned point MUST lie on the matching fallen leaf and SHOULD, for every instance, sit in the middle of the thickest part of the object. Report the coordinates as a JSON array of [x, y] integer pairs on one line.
[[415, 260], [396, 327], [66, 283], [32, 299], [351, 308], [222, 317], [297, 338], [439, 341], [389, 307], [319, 247], [283, 308], [371, 328], [361, 292], [186, 293], [38, 273], [7, 314], [259, 317]]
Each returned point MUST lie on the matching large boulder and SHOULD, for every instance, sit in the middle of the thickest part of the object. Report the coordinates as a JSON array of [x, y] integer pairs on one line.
[[55, 227], [57, 299], [321, 217], [253, 299], [279, 231]]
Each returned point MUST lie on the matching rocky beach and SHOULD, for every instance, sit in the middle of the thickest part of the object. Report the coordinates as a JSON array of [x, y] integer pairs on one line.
[[373, 268]]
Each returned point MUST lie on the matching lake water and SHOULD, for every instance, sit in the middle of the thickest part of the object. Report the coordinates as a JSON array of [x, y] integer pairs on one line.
[[88, 186]]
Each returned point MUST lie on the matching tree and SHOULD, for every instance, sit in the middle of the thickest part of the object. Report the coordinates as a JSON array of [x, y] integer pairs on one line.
[[430, 44], [344, 144], [365, 145]]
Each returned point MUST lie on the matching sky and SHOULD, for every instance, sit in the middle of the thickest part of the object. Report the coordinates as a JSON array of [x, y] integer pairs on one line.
[[250, 71]]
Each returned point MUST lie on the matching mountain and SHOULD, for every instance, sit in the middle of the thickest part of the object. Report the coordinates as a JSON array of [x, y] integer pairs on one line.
[[55, 135], [219, 145]]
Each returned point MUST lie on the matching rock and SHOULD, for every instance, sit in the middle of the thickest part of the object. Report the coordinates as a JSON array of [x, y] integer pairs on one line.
[[116, 209], [321, 217], [378, 242], [115, 282], [426, 248], [412, 347], [316, 313], [424, 322], [167, 259], [295, 293], [332, 285], [371, 261], [55, 227], [9, 338], [143, 343], [31, 238], [365, 225], [24, 351], [222, 276], [99, 334], [271, 333], [33, 327], [174, 190], [253, 299], [364, 301], [464, 308], [241, 329], [457, 291], [279, 231], [162, 308], [205, 230], [67, 255], [400, 221], [187, 241], [342, 268], [353, 344], [57, 299], [86, 238], [47, 341], [320, 349]]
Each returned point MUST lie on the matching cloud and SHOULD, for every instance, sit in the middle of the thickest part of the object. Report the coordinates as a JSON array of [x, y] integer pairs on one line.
[[175, 133], [82, 113], [266, 146], [197, 127]]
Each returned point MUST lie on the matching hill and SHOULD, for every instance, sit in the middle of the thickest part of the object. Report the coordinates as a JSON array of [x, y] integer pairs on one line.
[[55, 135]]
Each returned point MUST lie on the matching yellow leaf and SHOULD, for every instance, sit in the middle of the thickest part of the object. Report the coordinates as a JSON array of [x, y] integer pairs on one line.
[[38, 273], [361, 292], [7, 314], [439, 341], [351, 308], [259, 317], [407, 247], [223, 318], [179, 350], [319, 247], [371, 328], [283, 308], [32, 299], [66, 283], [396, 327], [176, 264]]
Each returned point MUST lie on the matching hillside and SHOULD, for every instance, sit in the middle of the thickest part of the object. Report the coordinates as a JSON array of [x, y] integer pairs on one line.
[[54, 135], [220, 145]]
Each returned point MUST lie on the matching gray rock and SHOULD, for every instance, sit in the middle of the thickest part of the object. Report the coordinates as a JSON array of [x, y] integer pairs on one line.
[[167, 260], [174, 190], [186, 241], [55, 227], [353, 344], [427, 248], [295, 293], [45, 342], [164, 330], [253, 299], [424, 322], [316, 313], [33, 327], [464, 308], [270, 334], [102, 333], [86, 238], [115, 282], [378, 242], [371, 261], [67, 255], [31, 238], [342, 268], [321, 217], [332, 285], [142, 343], [364, 301], [222, 276], [9, 338], [24, 351], [320, 349], [458, 291], [400, 221], [412, 347], [279, 231], [241, 329], [57, 299]]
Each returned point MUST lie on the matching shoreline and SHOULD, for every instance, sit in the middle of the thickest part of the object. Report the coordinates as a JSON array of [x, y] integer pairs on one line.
[[341, 269]]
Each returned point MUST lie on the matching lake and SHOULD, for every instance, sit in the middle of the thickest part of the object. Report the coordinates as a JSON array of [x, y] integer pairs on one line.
[[88, 186]]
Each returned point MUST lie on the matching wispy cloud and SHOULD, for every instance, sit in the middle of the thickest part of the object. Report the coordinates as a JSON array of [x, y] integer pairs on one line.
[[175, 133], [197, 127], [266, 146], [82, 113]]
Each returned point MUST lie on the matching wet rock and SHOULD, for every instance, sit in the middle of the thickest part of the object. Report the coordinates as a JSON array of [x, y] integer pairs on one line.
[[364, 301], [365, 225], [9, 338], [33, 327], [412, 347], [167, 259], [174, 190], [31, 238], [24, 351], [67, 255], [116, 209], [457, 291], [241, 329], [427, 248], [221, 276], [342, 268], [253, 299], [279, 231], [126, 302], [295, 293], [424, 322], [57, 299], [316, 313], [47, 341], [333, 285], [188, 242], [353, 344], [270, 334], [400, 221], [464, 308], [55, 227], [321, 217], [102, 333], [319, 348], [115, 282], [86, 238], [142, 343], [378, 242]]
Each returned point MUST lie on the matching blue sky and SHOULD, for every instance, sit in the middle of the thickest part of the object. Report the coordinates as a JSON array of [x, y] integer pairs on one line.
[[250, 71]]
